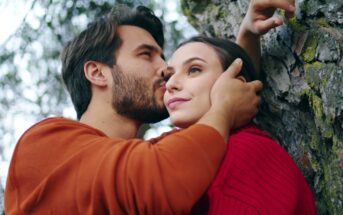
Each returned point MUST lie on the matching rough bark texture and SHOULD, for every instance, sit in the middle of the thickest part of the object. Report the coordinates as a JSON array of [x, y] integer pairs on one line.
[[303, 94]]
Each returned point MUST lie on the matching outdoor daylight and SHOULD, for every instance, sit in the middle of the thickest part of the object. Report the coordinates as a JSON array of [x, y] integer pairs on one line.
[[171, 107]]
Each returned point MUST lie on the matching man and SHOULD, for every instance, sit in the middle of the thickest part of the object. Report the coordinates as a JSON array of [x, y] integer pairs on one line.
[[114, 72]]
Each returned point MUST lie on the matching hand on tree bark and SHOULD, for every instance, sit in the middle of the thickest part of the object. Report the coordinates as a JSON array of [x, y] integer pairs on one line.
[[259, 18]]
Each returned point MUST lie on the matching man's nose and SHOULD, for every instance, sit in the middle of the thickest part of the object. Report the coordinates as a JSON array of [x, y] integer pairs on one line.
[[166, 74], [162, 67]]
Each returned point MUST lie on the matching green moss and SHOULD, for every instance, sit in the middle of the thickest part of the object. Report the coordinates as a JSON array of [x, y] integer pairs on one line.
[[322, 22], [186, 10], [329, 189], [295, 24], [335, 146], [214, 10], [310, 51], [311, 74], [223, 13], [315, 65], [328, 131], [319, 115], [316, 104]]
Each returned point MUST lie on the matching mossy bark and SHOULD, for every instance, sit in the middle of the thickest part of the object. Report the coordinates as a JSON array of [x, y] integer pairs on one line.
[[303, 85]]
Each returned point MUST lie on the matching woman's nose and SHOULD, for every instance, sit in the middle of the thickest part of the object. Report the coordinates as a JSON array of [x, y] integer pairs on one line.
[[173, 83]]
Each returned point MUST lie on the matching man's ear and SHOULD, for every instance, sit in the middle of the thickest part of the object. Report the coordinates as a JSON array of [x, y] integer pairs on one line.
[[94, 72], [240, 77]]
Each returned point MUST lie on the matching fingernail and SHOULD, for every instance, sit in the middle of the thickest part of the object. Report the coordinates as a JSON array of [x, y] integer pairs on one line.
[[291, 8], [238, 61]]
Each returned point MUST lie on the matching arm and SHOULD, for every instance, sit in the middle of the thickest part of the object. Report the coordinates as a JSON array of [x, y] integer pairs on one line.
[[79, 164], [234, 103], [258, 21], [173, 173]]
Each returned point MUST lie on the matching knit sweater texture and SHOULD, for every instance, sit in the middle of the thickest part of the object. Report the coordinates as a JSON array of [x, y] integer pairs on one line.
[[257, 176], [62, 166]]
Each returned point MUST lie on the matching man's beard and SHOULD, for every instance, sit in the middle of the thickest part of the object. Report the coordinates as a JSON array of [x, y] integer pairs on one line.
[[132, 97]]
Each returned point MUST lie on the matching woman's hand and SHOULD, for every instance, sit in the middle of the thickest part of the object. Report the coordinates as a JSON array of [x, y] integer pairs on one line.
[[258, 21], [260, 15]]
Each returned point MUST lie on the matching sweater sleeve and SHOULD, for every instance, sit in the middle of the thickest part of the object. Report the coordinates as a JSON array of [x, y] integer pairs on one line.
[[166, 177], [64, 167]]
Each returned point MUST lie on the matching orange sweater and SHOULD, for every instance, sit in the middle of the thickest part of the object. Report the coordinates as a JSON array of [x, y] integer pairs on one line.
[[64, 167]]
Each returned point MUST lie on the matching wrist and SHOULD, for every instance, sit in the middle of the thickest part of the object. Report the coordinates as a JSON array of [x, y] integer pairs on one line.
[[247, 35], [219, 119], [224, 114], [246, 30]]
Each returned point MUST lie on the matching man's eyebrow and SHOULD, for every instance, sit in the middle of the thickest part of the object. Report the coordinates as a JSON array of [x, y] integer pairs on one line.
[[151, 48]]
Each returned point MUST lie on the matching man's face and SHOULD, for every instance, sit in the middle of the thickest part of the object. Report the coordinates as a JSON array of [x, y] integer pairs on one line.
[[138, 85]]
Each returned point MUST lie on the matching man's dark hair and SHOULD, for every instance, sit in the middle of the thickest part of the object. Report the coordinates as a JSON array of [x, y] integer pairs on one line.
[[99, 42], [227, 52]]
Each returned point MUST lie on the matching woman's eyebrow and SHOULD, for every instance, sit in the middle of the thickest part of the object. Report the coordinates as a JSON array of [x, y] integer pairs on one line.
[[171, 68], [192, 59]]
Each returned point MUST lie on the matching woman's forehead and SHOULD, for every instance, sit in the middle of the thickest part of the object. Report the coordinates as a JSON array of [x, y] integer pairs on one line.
[[192, 50]]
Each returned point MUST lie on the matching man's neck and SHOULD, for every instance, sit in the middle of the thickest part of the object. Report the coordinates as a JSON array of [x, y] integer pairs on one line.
[[112, 124]]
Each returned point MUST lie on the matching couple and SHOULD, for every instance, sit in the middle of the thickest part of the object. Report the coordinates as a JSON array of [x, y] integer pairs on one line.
[[117, 78]]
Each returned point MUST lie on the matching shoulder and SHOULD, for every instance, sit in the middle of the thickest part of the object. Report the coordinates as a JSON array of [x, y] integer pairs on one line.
[[60, 123], [255, 142], [57, 128], [256, 154], [260, 167]]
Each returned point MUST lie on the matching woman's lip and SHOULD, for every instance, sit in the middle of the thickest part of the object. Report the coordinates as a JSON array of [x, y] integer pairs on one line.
[[175, 101]]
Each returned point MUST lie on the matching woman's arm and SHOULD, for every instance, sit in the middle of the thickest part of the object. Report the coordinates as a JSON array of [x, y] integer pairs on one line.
[[258, 21]]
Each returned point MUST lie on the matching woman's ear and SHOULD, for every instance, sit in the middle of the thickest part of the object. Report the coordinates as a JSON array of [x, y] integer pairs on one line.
[[94, 72], [240, 77]]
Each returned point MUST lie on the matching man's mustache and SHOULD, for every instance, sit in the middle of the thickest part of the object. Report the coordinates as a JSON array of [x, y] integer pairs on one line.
[[159, 83]]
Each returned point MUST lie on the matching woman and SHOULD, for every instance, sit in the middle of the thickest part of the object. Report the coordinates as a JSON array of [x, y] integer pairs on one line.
[[257, 175]]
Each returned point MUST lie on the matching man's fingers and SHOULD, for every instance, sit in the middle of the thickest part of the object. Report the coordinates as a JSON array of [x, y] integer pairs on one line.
[[256, 85], [235, 68]]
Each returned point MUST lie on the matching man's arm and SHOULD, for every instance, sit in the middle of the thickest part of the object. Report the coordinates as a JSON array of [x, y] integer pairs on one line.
[[169, 176], [258, 21]]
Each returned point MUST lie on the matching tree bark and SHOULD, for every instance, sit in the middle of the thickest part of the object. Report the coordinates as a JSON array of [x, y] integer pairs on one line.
[[303, 85]]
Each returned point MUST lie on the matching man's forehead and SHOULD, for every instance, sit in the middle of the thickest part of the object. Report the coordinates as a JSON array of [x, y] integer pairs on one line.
[[136, 37]]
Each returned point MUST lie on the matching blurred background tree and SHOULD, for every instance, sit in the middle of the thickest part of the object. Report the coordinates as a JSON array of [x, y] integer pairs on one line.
[[30, 84]]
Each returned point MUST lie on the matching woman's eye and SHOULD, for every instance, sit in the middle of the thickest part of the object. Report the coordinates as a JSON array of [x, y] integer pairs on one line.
[[193, 70]]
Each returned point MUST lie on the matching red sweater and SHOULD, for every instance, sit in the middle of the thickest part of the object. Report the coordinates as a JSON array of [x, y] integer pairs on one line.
[[257, 176]]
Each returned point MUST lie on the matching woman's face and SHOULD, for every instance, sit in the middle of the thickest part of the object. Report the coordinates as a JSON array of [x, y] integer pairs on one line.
[[195, 67]]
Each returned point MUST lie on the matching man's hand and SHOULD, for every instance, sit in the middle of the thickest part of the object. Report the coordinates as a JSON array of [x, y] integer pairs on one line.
[[258, 21], [234, 102]]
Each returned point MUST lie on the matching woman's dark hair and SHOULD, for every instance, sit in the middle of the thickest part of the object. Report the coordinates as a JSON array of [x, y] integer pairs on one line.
[[98, 43], [227, 52]]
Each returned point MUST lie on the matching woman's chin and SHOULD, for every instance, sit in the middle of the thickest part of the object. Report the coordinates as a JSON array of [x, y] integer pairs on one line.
[[181, 123]]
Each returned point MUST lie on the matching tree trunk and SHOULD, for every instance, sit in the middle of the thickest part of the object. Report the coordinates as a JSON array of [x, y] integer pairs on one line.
[[303, 85]]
